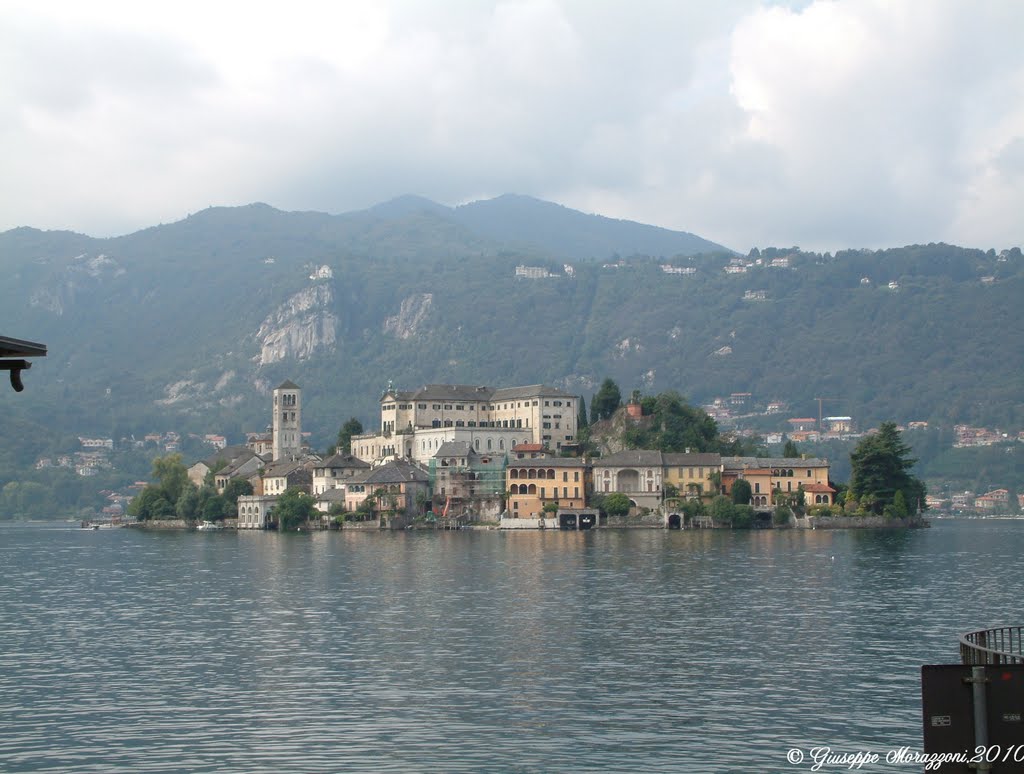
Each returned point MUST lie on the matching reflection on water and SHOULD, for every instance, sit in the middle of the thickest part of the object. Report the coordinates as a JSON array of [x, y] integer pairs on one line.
[[123, 651]]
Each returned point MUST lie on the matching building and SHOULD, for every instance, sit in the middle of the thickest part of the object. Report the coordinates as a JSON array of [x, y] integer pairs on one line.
[[695, 476], [280, 476], [837, 424], [400, 487], [465, 482], [287, 422], [534, 482], [254, 511], [336, 471], [228, 457], [413, 424], [768, 475], [636, 473]]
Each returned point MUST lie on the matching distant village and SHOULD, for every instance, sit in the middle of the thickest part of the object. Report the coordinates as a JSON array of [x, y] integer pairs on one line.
[[461, 454]]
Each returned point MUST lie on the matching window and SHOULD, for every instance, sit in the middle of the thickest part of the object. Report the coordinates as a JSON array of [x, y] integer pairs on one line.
[[576, 475], [565, 475], [436, 406], [547, 426], [565, 491], [458, 407], [542, 493], [447, 406], [757, 488]]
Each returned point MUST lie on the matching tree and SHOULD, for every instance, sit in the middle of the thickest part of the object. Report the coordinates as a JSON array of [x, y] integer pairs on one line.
[[721, 509], [235, 488], [293, 509], [151, 504], [606, 401], [171, 475], [789, 451], [188, 503], [880, 467], [616, 504], [352, 427], [741, 491], [581, 417]]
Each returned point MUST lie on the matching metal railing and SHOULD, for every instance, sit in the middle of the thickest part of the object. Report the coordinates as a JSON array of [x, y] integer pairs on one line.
[[1001, 645]]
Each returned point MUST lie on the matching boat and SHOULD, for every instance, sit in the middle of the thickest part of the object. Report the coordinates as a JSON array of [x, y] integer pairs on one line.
[[209, 525]]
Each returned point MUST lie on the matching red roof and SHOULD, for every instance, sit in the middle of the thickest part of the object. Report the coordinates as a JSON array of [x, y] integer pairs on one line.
[[818, 488], [529, 447]]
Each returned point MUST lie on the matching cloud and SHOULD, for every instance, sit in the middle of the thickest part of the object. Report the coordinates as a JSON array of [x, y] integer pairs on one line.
[[826, 124]]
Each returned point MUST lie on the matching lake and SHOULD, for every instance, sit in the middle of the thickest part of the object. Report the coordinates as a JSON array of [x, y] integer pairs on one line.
[[641, 650]]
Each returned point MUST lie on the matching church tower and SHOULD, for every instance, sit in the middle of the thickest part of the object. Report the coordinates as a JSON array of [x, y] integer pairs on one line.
[[287, 424]]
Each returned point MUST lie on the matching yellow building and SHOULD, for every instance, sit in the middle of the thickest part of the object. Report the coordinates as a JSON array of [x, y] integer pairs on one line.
[[531, 483], [694, 475]]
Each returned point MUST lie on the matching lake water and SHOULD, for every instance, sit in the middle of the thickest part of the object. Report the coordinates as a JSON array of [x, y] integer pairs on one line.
[[131, 651]]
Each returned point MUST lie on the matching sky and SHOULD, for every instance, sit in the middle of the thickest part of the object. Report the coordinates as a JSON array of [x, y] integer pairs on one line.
[[826, 124]]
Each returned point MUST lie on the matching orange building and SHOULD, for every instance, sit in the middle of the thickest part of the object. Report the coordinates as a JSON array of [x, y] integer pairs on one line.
[[532, 483]]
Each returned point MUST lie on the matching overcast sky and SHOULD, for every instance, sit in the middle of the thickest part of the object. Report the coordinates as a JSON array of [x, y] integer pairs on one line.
[[864, 123]]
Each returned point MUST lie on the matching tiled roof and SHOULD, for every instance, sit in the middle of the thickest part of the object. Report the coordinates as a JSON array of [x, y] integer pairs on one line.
[[621, 459], [454, 449], [343, 461], [705, 459], [473, 392], [740, 463], [396, 472]]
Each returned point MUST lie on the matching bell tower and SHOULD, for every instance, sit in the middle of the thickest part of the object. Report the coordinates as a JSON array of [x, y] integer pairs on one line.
[[287, 425]]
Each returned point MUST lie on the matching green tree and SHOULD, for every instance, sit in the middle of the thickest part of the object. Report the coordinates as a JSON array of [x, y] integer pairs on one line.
[[616, 504], [293, 509], [606, 401], [741, 491], [344, 443], [171, 476], [789, 451], [582, 422], [880, 467], [235, 488], [151, 504], [187, 506], [721, 509]]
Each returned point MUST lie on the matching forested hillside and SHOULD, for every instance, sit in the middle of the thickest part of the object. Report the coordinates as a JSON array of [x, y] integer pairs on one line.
[[189, 325]]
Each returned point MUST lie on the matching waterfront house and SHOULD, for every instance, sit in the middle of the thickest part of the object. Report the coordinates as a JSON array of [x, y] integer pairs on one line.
[[536, 481], [695, 476], [766, 475], [635, 473], [398, 486]]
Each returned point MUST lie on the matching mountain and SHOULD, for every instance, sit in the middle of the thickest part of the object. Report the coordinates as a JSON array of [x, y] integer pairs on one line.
[[189, 325]]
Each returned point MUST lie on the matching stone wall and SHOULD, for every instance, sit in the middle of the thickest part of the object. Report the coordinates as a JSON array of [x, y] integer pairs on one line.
[[864, 522]]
